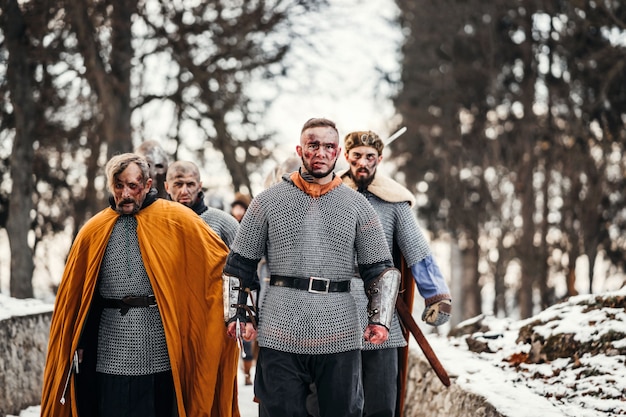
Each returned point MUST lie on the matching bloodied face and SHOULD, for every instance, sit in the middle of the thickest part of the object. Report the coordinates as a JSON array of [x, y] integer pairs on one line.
[[319, 149], [130, 189], [363, 161]]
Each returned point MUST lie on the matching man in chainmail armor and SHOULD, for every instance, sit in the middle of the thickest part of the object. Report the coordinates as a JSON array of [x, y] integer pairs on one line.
[[311, 228], [392, 202], [137, 319], [183, 185]]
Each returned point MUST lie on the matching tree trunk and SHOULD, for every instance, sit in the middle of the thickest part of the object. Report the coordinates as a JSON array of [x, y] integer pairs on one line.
[[571, 279], [500, 267], [110, 82], [21, 202], [547, 293], [525, 189], [112, 86], [456, 283], [118, 103], [470, 301], [237, 170], [592, 255], [89, 204]]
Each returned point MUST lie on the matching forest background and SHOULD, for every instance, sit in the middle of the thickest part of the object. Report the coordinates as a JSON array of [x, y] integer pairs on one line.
[[515, 113]]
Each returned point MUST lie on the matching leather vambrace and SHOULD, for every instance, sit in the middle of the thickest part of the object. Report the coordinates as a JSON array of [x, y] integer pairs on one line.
[[382, 292], [235, 301]]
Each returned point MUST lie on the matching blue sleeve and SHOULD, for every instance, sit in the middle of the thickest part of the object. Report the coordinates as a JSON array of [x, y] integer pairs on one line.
[[429, 280]]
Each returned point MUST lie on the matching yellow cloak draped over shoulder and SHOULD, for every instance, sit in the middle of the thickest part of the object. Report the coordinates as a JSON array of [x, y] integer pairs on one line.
[[184, 259]]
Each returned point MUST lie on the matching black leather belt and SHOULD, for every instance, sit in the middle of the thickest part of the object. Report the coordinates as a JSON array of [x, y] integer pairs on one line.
[[130, 301], [311, 284]]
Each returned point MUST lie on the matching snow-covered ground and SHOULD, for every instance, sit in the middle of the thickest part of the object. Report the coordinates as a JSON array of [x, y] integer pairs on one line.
[[567, 361], [522, 376]]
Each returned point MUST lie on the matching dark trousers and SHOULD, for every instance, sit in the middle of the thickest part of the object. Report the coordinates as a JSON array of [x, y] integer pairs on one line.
[[136, 396], [282, 383], [380, 382]]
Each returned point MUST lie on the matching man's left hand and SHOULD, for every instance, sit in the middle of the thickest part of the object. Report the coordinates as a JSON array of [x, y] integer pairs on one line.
[[249, 332], [437, 313], [376, 334]]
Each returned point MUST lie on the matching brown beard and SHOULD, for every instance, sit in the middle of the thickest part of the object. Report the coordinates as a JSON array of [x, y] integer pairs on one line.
[[362, 183]]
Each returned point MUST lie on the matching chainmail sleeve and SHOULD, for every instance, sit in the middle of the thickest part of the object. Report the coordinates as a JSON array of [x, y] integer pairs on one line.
[[222, 223], [408, 235]]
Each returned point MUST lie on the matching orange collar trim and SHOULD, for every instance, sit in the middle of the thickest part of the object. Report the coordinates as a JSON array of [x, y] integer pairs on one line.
[[313, 189]]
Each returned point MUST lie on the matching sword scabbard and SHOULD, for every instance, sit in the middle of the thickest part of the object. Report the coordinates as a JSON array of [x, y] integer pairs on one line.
[[408, 321]]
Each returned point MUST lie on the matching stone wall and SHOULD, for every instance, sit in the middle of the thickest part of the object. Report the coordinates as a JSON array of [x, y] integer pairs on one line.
[[426, 395], [23, 345]]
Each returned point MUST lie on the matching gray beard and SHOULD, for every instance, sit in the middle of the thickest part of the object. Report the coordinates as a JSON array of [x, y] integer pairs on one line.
[[136, 209]]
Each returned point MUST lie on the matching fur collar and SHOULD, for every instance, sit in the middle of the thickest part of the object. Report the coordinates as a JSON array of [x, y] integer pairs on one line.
[[382, 187]]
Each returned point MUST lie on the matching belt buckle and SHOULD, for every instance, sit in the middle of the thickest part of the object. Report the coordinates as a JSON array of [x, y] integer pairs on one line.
[[326, 281], [152, 299]]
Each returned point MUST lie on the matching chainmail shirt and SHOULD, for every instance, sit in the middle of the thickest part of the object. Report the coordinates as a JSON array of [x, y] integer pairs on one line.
[[222, 223], [305, 236], [133, 343], [400, 226]]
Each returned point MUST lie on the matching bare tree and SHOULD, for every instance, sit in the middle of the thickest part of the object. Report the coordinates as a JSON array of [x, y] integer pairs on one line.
[[446, 72], [500, 137], [216, 50], [107, 65], [70, 83], [20, 69]]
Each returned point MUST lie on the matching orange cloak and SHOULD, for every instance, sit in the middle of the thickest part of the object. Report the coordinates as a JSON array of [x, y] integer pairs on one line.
[[184, 259]]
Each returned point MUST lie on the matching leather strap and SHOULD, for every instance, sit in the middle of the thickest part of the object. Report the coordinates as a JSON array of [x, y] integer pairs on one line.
[[312, 284], [130, 301]]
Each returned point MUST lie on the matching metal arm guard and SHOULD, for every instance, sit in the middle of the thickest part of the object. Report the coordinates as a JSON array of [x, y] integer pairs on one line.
[[235, 301], [382, 292]]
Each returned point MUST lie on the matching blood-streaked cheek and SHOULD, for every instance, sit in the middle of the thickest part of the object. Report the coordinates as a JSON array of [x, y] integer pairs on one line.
[[332, 153]]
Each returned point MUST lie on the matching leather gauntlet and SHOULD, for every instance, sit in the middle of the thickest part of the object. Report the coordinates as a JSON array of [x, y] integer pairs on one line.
[[382, 292], [438, 312]]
